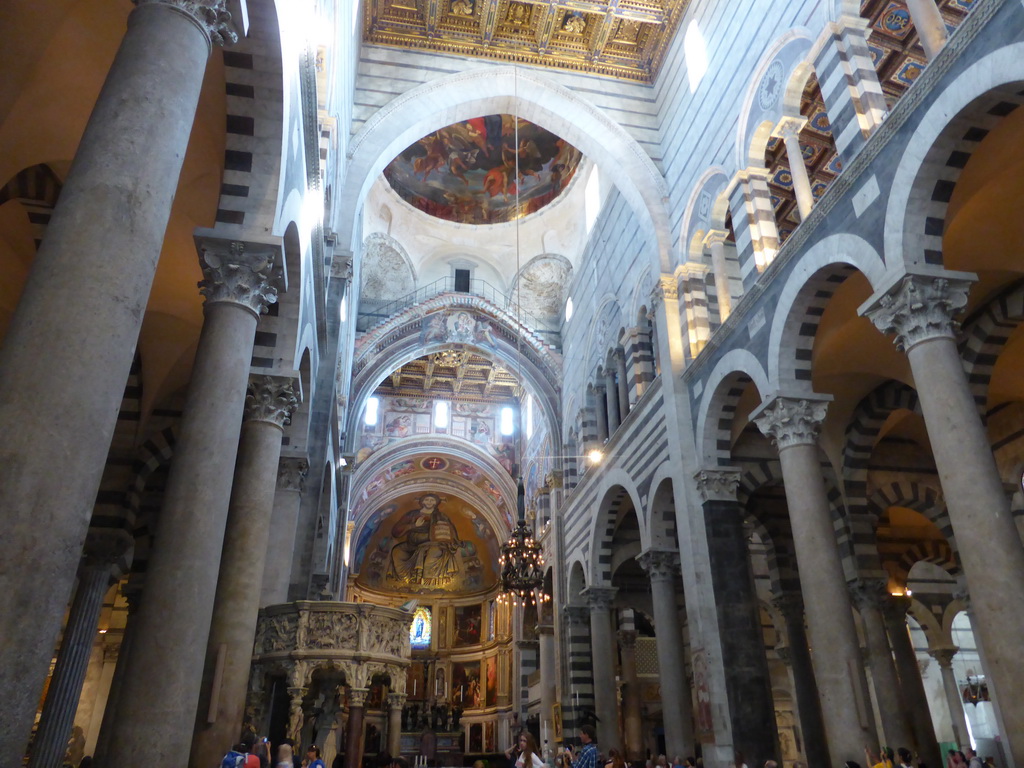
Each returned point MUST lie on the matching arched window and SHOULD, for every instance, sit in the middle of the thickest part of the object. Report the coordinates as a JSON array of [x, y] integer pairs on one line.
[[420, 629]]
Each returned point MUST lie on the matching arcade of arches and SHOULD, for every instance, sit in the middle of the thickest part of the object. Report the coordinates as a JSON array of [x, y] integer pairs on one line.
[[300, 296]]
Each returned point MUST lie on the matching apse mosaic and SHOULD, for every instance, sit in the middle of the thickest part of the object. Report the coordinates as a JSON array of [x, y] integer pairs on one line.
[[466, 172], [427, 544]]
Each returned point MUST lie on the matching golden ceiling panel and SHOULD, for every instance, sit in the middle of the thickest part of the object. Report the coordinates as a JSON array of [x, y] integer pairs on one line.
[[623, 38]]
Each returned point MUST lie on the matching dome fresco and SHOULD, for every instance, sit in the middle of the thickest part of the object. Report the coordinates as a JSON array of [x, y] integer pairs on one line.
[[465, 172]]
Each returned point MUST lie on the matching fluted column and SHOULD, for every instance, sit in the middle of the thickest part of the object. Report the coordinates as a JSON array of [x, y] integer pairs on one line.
[[181, 579], [793, 425], [676, 702], [919, 309], [748, 682], [789, 131], [354, 735], [808, 705], [104, 556], [269, 404], [623, 384], [944, 656], [930, 26], [869, 597], [631, 713], [601, 411], [894, 612], [291, 483], [396, 702], [715, 243], [603, 655], [69, 347]]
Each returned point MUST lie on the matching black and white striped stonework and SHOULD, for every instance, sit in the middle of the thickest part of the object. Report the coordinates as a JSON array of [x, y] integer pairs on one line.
[[916, 496], [722, 413], [639, 351], [770, 520], [984, 337], [695, 303], [802, 323], [753, 217], [37, 189]]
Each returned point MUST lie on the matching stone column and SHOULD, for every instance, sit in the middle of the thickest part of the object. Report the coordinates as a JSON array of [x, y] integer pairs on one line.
[[793, 425], [748, 682], [676, 702], [631, 713], [182, 576], [104, 555], [291, 484], [132, 597], [269, 404], [931, 29], [354, 736], [296, 715], [603, 655], [601, 411], [548, 676], [612, 400], [919, 309], [894, 611], [623, 383], [949, 685], [812, 727], [869, 596], [789, 131], [714, 241], [69, 347], [396, 702]]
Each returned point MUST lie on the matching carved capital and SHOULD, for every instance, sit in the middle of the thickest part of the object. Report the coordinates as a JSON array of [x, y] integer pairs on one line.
[[272, 399], [664, 290], [661, 565], [291, 474], [396, 700], [357, 696], [869, 594], [108, 548], [627, 638], [790, 421], [600, 598], [234, 275], [944, 655], [576, 615], [894, 610], [211, 16], [785, 654], [790, 605], [715, 237], [789, 128], [718, 484], [920, 307]]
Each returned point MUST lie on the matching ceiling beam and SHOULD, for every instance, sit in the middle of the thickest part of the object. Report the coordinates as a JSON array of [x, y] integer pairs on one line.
[[547, 25], [488, 19]]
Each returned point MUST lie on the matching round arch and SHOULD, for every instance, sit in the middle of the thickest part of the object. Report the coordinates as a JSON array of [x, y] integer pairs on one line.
[[619, 487], [723, 388]]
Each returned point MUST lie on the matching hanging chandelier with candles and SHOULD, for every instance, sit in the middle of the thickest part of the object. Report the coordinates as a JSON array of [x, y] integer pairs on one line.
[[521, 561]]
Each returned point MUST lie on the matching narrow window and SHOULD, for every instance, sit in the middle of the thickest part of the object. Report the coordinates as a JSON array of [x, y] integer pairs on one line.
[[462, 280], [441, 414], [372, 406], [507, 421], [696, 53]]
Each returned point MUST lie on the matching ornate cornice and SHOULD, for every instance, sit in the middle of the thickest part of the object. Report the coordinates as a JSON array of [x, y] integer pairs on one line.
[[234, 275], [718, 484], [790, 421], [660, 564], [920, 307], [272, 399]]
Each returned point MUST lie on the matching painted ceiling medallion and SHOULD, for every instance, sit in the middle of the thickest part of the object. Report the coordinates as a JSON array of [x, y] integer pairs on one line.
[[619, 38], [465, 172]]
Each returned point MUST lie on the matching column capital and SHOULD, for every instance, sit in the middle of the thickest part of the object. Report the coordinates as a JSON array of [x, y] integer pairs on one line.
[[789, 127], [357, 696], [291, 474], [660, 564], [790, 605], [944, 655], [718, 484], [715, 236], [211, 16], [790, 421], [396, 700], [237, 273], [784, 652], [917, 307], [272, 399], [869, 593], [664, 289], [617, 356], [627, 638], [108, 548], [576, 615], [691, 270], [895, 608], [600, 598]]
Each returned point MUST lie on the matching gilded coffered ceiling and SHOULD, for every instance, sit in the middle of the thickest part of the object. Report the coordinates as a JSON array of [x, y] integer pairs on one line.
[[620, 38]]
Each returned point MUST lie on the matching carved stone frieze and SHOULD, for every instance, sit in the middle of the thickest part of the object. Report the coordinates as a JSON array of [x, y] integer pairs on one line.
[[790, 421], [919, 308], [718, 484], [211, 16], [272, 399], [276, 633], [331, 630], [661, 565], [234, 275]]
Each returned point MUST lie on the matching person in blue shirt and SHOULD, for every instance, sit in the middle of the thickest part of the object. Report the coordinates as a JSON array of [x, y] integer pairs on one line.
[[588, 755], [313, 758]]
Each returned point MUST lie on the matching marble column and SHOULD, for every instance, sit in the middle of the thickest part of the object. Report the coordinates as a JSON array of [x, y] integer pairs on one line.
[[944, 656], [182, 575], [789, 131], [548, 676], [71, 341], [676, 702], [296, 714], [132, 596], [354, 736], [622, 382], [919, 308], [612, 400], [396, 702], [601, 411], [793, 425], [869, 596], [747, 679], [714, 241], [291, 484], [103, 559], [930, 26], [798, 656], [631, 702], [603, 655], [269, 404], [915, 699]]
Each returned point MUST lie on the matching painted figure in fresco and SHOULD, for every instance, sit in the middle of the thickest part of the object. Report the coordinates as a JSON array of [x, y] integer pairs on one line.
[[427, 547], [400, 426]]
